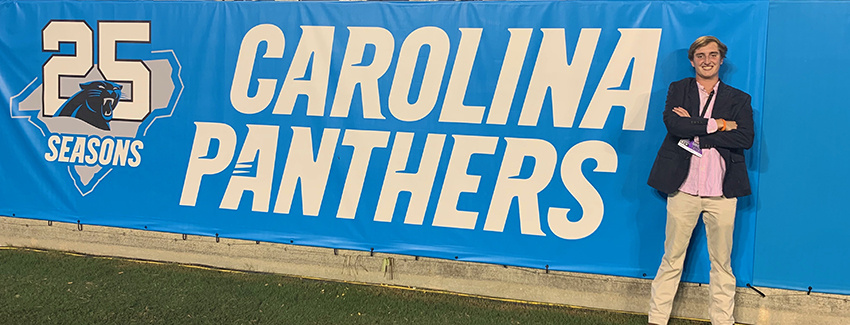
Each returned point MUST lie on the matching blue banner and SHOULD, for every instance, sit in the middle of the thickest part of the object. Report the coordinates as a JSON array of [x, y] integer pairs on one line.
[[802, 236], [516, 133]]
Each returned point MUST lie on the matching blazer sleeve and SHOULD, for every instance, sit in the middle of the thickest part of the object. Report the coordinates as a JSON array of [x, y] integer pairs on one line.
[[683, 127], [742, 136]]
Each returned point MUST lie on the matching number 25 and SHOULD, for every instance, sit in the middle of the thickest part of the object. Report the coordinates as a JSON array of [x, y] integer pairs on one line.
[[135, 103]]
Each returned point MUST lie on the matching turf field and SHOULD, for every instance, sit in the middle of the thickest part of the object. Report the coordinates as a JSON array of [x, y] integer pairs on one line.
[[48, 287]]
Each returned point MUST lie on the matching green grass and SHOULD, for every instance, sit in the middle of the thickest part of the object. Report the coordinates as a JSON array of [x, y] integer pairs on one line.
[[58, 288]]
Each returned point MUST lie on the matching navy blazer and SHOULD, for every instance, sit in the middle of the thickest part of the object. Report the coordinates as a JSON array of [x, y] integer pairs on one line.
[[672, 163]]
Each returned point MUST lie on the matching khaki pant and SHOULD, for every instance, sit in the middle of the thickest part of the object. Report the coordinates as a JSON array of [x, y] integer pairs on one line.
[[683, 211]]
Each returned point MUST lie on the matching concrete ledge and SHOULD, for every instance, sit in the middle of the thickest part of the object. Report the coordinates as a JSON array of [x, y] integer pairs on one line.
[[565, 288]]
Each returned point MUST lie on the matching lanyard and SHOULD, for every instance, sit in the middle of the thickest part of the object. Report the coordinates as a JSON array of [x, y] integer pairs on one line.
[[705, 108]]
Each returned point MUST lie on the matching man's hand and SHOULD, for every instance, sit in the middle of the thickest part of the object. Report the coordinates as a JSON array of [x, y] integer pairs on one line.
[[726, 125], [681, 112]]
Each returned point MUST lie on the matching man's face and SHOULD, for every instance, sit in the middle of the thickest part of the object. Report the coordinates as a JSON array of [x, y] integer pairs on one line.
[[707, 61]]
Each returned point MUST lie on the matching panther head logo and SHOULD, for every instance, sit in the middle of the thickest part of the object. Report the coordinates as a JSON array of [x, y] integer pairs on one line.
[[94, 103]]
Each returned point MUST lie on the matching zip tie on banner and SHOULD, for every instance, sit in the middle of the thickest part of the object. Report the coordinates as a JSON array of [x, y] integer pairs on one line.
[[756, 290], [79, 225]]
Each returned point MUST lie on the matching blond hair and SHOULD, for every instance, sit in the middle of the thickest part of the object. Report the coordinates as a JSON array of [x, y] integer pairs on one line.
[[703, 41]]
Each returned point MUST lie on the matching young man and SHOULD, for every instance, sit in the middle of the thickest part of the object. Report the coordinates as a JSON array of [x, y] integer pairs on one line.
[[700, 166]]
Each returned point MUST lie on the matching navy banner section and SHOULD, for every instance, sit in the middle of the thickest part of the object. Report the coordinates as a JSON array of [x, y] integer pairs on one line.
[[517, 133]]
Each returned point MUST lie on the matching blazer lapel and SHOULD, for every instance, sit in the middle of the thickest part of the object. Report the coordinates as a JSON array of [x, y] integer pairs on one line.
[[720, 106], [692, 98]]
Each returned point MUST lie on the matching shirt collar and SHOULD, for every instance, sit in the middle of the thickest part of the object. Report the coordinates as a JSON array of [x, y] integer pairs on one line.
[[702, 89]]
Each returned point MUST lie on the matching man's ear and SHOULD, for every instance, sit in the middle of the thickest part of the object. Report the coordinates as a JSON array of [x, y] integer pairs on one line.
[[692, 64]]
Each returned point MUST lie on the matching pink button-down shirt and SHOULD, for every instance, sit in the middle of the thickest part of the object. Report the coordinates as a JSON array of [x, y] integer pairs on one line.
[[705, 177]]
